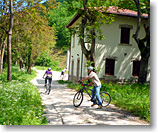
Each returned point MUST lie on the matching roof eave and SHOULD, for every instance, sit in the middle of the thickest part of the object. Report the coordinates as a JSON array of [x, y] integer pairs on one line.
[[76, 17]]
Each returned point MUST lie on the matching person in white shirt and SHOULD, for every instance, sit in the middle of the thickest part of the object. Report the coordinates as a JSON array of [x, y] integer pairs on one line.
[[96, 87]]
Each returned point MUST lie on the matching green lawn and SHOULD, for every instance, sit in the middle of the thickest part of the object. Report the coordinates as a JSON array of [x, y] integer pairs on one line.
[[20, 101]]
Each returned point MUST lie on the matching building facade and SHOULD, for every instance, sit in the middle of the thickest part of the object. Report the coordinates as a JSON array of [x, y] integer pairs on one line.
[[117, 56]]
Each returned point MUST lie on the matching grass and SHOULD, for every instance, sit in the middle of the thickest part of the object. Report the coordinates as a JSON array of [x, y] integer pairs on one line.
[[45, 68], [134, 98], [20, 101]]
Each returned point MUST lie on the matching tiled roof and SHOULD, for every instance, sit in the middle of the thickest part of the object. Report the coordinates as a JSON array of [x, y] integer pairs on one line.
[[110, 10], [124, 12]]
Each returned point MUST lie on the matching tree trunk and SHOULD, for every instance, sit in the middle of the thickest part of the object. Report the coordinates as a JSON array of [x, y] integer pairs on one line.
[[90, 55], [9, 75], [144, 48], [143, 68], [29, 59], [3, 44]]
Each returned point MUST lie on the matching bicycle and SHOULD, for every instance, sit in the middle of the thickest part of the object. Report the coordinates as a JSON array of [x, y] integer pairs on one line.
[[48, 87], [78, 97]]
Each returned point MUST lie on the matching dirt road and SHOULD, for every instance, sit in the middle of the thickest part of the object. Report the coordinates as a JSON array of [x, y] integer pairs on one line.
[[60, 110]]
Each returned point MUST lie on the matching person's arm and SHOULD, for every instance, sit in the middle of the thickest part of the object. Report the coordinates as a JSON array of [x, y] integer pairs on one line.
[[84, 79], [90, 83], [44, 75]]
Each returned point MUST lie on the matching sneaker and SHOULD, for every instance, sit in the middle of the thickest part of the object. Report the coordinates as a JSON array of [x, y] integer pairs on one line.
[[93, 104], [99, 106]]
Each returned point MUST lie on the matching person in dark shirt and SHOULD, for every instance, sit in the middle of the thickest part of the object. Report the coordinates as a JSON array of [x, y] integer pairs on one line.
[[49, 75]]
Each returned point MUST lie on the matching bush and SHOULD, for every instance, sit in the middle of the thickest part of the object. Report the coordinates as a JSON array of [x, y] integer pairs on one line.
[[46, 60]]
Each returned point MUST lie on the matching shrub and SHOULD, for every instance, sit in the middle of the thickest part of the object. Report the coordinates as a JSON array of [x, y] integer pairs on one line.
[[46, 60]]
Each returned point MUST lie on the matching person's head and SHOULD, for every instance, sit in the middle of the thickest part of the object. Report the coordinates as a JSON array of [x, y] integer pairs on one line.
[[90, 68], [49, 69]]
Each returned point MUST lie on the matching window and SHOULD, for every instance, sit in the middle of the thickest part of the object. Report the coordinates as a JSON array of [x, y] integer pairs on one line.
[[125, 35], [136, 68], [109, 66]]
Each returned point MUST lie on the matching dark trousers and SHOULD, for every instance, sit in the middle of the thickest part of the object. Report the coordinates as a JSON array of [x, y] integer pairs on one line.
[[49, 80]]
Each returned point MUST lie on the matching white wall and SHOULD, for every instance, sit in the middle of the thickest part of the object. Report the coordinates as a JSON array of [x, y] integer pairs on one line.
[[110, 47]]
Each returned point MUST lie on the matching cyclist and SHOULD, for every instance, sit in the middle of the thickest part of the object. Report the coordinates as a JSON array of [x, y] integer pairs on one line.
[[63, 72], [96, 88], [49, 75]]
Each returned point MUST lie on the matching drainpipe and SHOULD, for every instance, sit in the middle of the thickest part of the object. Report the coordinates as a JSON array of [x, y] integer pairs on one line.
[[81, 65]]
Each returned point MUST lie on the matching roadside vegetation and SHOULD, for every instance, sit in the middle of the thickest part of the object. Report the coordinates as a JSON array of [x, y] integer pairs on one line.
[[134, 98], [20, 101], [44, 61]]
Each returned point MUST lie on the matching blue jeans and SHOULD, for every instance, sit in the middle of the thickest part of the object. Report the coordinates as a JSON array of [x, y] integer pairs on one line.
[[95, 91]]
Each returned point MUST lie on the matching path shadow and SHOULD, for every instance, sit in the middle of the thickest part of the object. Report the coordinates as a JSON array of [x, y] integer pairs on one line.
[[100, 115], [40, 81]]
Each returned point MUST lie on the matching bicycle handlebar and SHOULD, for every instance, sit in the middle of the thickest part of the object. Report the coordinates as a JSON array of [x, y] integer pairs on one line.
[[83, 84]]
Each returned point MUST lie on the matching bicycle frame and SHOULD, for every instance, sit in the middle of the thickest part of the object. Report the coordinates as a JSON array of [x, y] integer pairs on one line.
[[78, 97], [84, 88]]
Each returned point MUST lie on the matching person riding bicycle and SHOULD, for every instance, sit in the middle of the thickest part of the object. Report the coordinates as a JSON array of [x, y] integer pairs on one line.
[[63, 72], [96, 88], [49, 75]]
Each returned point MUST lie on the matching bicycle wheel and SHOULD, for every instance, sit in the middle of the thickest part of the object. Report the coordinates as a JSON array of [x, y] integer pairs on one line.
[[78, 98], [46, 88], [49, 89], [106, 99]]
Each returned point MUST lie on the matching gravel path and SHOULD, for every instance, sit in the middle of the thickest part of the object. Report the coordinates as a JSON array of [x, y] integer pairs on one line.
[[59, 108]]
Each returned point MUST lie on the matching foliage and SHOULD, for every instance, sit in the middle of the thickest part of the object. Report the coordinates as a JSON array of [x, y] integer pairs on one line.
[[45, 59], [59, 17], [20, 102], [134, 98], [52, 68], [143, 43], [63, 82], [31, 32], [93, 16], [20, 75], [89, 63]]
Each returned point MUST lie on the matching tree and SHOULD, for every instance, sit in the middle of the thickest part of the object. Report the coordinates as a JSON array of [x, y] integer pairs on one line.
[[31, 22], [9, 76], [142, 6], [3, 38], [32, 35], [9, 36], [59, 17], [93, 17], [143, 44]]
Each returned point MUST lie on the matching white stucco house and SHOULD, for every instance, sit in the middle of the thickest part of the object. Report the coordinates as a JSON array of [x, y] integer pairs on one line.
[[118, 55]]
